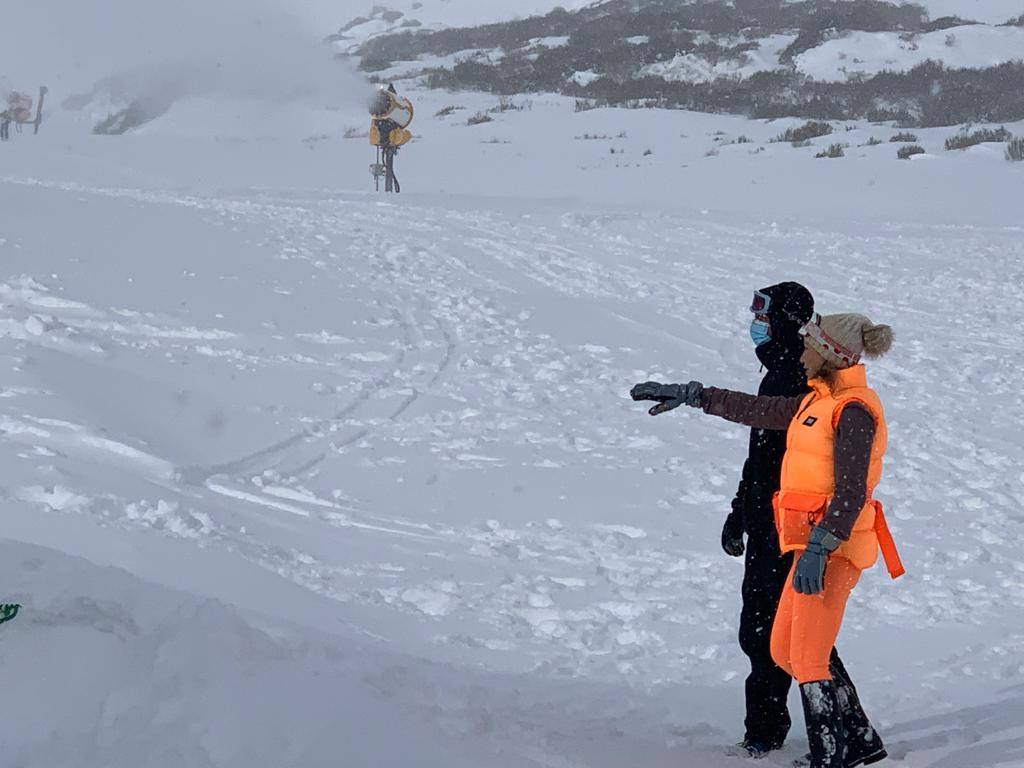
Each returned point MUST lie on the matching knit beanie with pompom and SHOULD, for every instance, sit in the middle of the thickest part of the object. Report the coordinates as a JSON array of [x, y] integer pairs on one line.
[[843, 339]]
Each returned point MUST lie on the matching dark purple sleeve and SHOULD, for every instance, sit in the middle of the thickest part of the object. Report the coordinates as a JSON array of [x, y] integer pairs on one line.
[[752, 410], [855, 435]]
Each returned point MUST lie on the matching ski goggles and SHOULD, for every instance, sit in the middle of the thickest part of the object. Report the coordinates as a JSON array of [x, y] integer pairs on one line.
[[760, 303], [826, 344]]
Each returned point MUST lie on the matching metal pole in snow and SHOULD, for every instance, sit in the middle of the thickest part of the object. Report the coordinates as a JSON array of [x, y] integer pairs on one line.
[[43, 90]]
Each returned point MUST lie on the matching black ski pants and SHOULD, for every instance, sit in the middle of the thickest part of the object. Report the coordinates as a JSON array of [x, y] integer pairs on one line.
[[767, 688]]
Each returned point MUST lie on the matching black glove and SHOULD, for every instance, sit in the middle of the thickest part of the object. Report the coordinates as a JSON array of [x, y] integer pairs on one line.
[[668, 396], [732, 535], [809, 575]]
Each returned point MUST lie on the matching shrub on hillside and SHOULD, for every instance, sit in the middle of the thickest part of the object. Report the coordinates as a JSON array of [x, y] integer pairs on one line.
[[1015, 150], [134, 115], [835, 150], [670, 27], [374, 64], [963, 140], [506, 104], [928, 95], [447, 111], [947, 22], [479, 119], [908, 151], [873, 142], [903, 138], [806, 132]]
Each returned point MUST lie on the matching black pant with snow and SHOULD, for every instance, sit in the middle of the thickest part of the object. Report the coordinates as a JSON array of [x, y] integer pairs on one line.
[[863, 744], [823, 715], [766, 569]]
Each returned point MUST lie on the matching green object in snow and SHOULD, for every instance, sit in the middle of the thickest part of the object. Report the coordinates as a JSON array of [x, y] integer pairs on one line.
[[8, 611]]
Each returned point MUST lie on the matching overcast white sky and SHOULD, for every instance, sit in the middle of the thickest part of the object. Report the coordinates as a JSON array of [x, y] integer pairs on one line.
[[268, 46]]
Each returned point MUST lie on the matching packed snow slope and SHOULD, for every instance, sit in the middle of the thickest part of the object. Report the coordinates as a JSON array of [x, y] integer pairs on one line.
[[299, 474]]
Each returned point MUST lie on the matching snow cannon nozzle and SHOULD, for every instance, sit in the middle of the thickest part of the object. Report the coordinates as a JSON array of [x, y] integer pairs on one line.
[[382, 103]]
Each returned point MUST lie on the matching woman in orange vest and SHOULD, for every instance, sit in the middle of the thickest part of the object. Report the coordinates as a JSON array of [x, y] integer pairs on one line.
[[825, 510]]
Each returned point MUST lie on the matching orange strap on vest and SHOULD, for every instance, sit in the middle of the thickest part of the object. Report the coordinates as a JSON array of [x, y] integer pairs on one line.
[[886, 544]]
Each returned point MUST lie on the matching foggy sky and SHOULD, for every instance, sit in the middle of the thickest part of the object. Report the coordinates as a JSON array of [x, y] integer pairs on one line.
[[252, 48]]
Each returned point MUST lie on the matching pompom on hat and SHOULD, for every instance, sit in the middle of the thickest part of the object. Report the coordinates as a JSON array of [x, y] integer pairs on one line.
[[843, 339]]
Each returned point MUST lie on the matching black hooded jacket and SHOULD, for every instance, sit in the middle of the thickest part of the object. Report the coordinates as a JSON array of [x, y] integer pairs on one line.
[[791, 307]]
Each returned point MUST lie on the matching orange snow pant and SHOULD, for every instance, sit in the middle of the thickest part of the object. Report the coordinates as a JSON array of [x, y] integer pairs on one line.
[[806, 626]]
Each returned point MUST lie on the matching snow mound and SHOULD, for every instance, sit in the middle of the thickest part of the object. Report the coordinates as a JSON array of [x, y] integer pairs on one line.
[[141, 676]]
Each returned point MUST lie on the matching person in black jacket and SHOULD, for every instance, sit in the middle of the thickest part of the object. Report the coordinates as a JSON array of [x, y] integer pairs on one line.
[[780, 311]]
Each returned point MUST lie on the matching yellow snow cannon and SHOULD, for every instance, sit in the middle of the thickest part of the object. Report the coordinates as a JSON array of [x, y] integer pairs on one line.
[[390, 116]]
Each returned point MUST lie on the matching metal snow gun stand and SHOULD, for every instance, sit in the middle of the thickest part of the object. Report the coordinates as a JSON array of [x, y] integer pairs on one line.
[[390, 117], [19, 112]]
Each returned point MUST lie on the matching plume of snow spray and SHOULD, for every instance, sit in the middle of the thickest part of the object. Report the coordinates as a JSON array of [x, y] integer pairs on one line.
[[151, 53]]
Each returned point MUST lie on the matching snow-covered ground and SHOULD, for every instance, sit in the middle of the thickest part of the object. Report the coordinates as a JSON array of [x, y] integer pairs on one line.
[[868, 53], [299, 474], [689, 67]]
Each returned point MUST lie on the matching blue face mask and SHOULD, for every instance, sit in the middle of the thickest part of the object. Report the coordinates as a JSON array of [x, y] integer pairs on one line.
[[760, 332]]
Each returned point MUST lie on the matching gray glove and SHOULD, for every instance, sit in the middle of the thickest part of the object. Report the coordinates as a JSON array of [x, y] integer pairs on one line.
[[668, 396], [809, 574]]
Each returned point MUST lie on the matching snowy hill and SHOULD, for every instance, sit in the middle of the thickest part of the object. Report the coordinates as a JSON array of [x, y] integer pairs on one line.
[[397, 15], [853, 59], [299, 474], [867, 53]]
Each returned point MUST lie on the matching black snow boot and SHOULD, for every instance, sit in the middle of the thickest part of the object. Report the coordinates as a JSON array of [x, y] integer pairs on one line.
[[863, 744], [753, 749], [824, 724]]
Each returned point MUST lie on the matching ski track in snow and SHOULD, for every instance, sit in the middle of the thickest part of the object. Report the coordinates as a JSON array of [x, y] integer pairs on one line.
[[495, 350]]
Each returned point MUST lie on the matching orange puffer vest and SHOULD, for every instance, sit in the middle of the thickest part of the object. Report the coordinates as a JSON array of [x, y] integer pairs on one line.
[[808, 473]]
